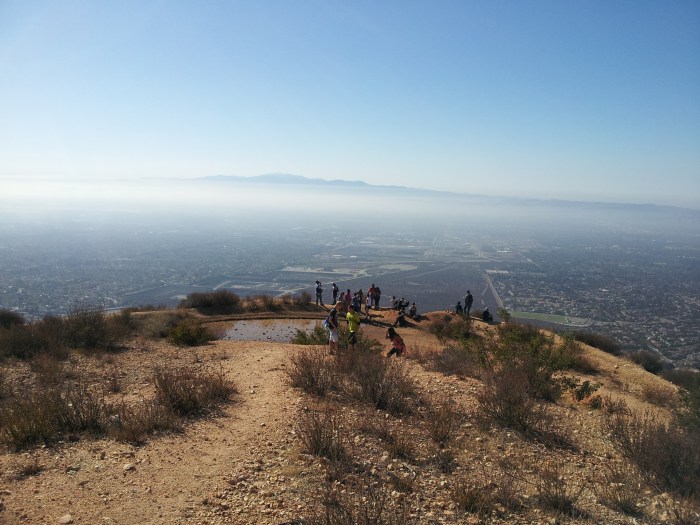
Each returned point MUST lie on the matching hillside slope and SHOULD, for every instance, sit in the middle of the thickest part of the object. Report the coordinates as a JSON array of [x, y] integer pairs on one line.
[[248, 463]]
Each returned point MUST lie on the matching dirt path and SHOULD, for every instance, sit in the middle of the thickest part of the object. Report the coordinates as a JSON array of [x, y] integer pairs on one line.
[[188, 478]]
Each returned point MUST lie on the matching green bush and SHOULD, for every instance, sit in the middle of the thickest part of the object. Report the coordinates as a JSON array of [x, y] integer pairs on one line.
[[317, 336], [450, 327], [190, 332]]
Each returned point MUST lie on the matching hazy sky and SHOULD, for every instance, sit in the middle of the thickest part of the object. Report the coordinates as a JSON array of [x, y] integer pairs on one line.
[[586, 100]]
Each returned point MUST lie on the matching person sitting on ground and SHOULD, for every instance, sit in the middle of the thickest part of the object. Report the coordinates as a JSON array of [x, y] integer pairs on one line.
[[412, 311], [401, 320], [486, 316], [393, 302], [401, 305], [397, 345], [458, 308]]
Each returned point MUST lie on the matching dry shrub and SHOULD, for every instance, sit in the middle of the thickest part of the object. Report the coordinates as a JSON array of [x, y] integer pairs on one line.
[[26, 468], [213, 303], [386, 384], [34, 417], [649, 361], [445, 460], [660, 395], [614, 406], [360, 500], [505, 400], [619, 486], [157, 325], [601, 342], [311, 370], [459, 360], [303, 300], [442, 418], [474, 496], [191, 391], [667, 454], [86, 327], [48, 369], [320, 431], [487, 491], [401, 447], [553, 491], [28, 340], [86, 411], [134, 423]]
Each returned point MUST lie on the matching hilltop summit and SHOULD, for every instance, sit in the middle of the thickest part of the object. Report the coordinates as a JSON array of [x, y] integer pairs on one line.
[[431, 455]]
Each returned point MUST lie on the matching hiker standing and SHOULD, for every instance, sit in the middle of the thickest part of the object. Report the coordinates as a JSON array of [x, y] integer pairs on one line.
[[468, 301], [319, 293], [335, 293], [332, 322], [377, 296], [353, 319]]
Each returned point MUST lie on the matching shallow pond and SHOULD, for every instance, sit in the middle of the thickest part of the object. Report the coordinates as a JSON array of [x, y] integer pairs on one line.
[[277, 330]]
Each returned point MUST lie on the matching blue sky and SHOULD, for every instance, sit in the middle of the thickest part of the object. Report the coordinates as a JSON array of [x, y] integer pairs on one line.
[[586, 100]]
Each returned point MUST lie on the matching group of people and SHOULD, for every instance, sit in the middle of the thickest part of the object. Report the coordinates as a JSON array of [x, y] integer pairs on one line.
[[348, 304], [466, 309]]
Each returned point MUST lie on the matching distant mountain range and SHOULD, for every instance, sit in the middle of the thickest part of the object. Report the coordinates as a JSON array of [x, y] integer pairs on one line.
[[299, 180]]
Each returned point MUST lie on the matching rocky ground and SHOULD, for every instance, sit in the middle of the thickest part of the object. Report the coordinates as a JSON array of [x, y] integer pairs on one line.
[[246, 464]]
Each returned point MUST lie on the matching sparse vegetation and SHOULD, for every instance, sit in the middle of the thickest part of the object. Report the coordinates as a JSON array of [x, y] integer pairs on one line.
[[9, 318], [312, 371], [649, 361], [665, 452], [212, 303], [190, 332], [191, 391], [599, 341], [450, 326]]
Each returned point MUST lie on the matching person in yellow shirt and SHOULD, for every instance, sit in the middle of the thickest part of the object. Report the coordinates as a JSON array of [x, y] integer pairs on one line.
[[353, 319]]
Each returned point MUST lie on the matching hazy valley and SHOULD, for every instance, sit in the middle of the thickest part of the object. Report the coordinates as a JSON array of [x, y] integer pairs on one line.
[[631, 272]]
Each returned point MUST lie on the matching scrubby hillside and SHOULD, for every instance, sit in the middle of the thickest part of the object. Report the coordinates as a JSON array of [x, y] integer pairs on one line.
[[475, 423]]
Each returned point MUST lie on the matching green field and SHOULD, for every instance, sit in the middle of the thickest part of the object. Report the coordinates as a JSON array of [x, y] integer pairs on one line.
[[552, 318]]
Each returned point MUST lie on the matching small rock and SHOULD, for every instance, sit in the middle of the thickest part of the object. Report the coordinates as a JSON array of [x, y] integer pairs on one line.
[[65, 519], [129, 466]]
